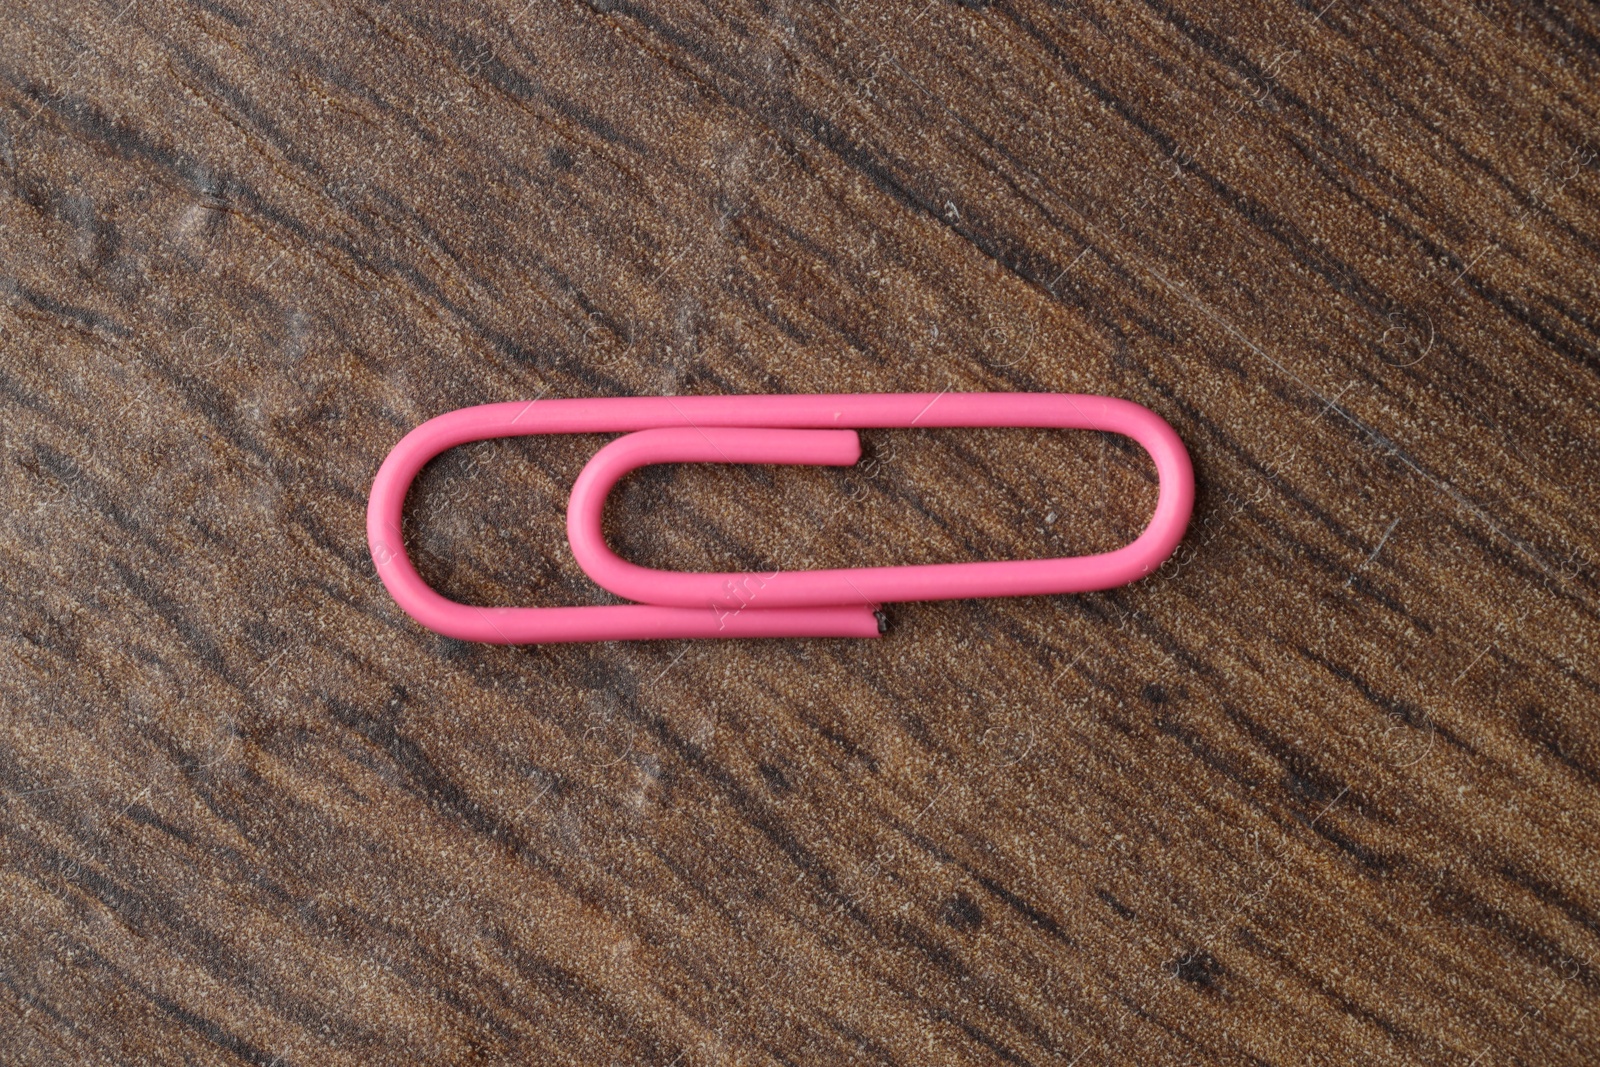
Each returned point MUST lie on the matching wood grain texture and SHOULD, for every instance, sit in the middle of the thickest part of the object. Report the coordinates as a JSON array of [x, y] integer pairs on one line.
[[1325, 789]]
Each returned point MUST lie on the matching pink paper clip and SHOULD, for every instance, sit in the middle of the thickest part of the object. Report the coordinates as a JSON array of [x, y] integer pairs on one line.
[[809, 429]]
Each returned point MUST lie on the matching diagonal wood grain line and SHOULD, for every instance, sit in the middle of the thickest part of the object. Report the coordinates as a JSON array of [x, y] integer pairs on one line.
[[1378, 439]]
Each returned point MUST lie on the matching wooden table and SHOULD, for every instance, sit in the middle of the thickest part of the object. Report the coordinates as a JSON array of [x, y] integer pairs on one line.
[[1324, 789]]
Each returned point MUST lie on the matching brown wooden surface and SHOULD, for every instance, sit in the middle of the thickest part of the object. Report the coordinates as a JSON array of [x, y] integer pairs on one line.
[[1326, 789]]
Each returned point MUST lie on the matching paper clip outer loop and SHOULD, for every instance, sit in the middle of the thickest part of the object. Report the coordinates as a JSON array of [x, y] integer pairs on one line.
[[701, 612], [750, 593]]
